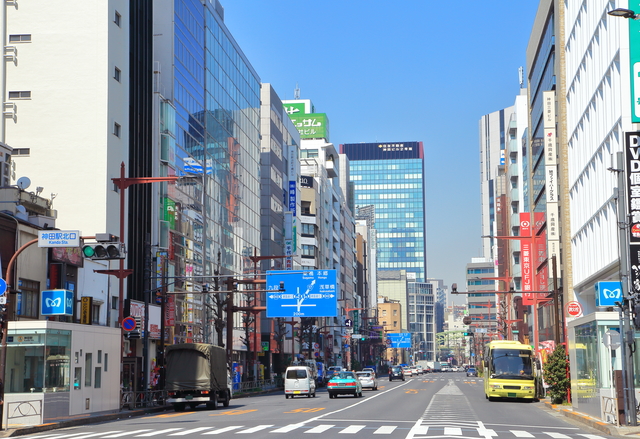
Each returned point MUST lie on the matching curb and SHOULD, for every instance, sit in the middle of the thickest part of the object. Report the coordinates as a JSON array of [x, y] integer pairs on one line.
[[595, 423]]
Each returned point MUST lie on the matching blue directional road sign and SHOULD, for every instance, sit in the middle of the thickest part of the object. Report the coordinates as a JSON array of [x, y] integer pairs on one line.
[[608, 293], [399, 339], [310, 293]]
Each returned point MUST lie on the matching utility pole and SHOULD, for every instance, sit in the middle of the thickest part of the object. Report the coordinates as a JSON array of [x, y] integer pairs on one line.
[[625, 324]]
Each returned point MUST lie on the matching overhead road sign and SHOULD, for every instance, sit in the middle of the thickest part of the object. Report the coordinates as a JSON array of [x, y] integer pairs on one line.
[[400, 339], [310, 293]]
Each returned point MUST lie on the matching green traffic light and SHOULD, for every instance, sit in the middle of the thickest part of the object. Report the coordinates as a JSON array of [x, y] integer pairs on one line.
[[88, 251]]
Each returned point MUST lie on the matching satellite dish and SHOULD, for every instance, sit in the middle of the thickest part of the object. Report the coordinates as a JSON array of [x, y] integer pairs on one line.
[[24, 183]]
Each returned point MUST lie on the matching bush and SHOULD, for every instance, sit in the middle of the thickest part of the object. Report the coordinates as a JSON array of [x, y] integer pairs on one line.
[[555, 375]]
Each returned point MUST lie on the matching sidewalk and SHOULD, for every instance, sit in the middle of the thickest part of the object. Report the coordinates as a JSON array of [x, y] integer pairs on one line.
[[606, 428]]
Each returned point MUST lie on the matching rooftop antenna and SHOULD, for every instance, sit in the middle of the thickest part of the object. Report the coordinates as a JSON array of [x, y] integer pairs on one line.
[[521, 75], [296, 92]]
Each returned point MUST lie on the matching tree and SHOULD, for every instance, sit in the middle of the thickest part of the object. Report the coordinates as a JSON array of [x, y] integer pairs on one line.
[[555, 375]]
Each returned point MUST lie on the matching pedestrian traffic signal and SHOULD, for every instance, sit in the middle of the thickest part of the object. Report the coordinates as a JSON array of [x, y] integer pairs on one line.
[[104, 250]]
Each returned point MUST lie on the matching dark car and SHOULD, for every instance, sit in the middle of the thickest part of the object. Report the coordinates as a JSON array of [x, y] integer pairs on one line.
[[396, 373], [472, 372]]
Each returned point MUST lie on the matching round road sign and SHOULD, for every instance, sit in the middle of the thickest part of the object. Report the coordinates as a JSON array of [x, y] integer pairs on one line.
[[3, 286], [574, 309], [128, 324], [466, 320]]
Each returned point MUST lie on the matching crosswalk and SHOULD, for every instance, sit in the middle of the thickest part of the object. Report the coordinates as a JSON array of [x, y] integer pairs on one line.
[[427, 431]]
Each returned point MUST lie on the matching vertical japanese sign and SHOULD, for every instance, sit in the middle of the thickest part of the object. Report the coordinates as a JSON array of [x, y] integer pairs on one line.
[[551, 172], [526, 257], [632, 154], [634, 62]]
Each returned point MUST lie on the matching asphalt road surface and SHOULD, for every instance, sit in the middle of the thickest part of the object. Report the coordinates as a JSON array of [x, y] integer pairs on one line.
[[438, 405]]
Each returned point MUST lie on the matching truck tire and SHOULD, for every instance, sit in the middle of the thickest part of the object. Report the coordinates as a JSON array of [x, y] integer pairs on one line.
[[225, 403], [178, 407], [213, 405]]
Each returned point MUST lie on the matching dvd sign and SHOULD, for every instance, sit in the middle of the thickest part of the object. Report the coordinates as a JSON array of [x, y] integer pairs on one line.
[[632, 158]]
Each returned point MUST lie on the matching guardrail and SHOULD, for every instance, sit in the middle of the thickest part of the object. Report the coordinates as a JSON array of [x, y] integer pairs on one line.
[[148, 398], [257, 386], [130, 400]]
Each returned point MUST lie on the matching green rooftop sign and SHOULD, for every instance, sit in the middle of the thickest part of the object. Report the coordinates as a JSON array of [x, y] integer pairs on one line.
[[312, 126]]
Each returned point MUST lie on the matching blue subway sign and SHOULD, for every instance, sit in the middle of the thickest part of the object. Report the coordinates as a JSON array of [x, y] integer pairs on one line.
[[309, 293], [57, 303], [608, 293]]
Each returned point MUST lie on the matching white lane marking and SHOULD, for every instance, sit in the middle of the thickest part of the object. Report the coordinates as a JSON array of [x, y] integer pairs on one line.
[[520, 433], [254, 429], [555, 435], [286, 428], [385, 429], [155, 433], [320, 428], [452, 431], [193, 430], [352, 429], [224, 429]]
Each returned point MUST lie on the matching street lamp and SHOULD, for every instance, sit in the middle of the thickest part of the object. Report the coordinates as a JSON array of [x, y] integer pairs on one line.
[[624, 13]]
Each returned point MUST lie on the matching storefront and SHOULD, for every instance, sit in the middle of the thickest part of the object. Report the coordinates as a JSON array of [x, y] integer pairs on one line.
[[56, 369]]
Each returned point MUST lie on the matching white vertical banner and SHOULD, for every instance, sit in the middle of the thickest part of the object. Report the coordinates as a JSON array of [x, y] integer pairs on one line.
[[551, 175]]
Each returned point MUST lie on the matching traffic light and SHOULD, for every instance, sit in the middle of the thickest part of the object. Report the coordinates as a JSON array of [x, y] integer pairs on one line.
[[104, 250], [468, 334]]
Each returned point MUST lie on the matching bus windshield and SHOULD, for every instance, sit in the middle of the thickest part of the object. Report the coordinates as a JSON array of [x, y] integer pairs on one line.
[[511, 364]]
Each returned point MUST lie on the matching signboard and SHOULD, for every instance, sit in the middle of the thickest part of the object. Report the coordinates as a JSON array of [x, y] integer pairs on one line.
[[312, 126], [634, 62], [608, 293], [632, 157], [292, 197], [58, 238], [311, 293], [574, 309], [85, 310], [399, 339], [56, 303]]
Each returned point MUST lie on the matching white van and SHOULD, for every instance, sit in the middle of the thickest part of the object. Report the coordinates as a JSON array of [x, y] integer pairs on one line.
[[298, 380]]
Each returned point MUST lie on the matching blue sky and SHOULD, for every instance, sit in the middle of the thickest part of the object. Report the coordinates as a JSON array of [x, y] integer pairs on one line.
[[411, 70]]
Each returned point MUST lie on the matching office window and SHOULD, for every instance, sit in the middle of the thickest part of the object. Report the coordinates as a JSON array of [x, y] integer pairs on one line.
[[19, 95], [116, 74], [116, 129], [21, 38], [29, 298], [117, 18], [77, 377], [97, 378]]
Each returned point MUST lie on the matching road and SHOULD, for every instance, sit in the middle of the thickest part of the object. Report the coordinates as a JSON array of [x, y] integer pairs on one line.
[[438, 405]]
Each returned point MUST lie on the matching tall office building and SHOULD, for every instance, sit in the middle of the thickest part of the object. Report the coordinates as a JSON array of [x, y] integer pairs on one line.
[[208, 100], [390, 177]]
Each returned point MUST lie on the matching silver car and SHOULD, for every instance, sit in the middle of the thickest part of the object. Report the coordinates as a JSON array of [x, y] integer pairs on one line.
[[368, 380]]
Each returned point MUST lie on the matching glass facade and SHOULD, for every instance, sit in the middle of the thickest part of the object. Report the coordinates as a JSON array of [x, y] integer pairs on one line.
[[390, 177], [44, 356], [209, 137]]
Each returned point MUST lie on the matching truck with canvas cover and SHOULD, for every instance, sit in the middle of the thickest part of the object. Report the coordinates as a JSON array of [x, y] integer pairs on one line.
[[196, 373]]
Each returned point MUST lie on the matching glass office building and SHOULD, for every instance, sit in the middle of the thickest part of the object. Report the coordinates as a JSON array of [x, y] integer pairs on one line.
[[209, 115], [388, 178]]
